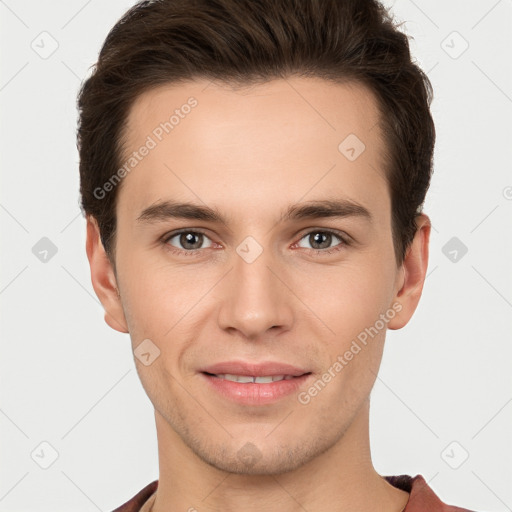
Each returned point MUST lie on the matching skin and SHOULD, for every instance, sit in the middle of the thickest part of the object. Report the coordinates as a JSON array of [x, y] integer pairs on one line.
[[250, 153]]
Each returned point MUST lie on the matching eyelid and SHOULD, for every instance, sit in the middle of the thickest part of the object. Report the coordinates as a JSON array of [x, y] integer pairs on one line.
[[175, 232], [345, 237]]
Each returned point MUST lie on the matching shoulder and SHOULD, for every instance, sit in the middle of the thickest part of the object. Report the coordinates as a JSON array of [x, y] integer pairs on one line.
[[422, 498], [135, 503]]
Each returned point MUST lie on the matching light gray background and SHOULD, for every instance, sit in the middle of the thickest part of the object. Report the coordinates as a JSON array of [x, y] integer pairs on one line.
[[444, 390]]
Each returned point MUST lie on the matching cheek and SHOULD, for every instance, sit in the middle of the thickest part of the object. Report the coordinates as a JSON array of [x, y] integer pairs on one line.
[[350, 298], [155, 309], [353, 351], [164, 305], [149, 284]]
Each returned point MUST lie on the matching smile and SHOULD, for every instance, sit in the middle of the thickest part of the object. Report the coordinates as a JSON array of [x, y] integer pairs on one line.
[[258, 380]]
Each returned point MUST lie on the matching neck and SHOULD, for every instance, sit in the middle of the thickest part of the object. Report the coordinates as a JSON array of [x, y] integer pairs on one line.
[[340, 479]]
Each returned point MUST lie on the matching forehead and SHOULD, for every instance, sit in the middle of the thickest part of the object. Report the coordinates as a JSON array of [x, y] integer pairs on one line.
[[269, 142]]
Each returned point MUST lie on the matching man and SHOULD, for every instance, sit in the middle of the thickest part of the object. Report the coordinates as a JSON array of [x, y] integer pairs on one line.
[[253, 172]]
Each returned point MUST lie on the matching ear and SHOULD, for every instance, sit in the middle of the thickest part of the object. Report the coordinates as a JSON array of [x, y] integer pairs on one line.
[[103, 278], [412, 274]]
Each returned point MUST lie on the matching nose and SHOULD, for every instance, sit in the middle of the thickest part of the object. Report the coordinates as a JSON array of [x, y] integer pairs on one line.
[[255, 297]]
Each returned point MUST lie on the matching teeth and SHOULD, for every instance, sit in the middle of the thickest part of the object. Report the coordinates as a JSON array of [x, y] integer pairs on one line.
[[240, 378], [258, 380], [266, 380]]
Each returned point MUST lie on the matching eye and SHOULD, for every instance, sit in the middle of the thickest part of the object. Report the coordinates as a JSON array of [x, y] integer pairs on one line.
[[186, 241], [321, 240], [191, 242]]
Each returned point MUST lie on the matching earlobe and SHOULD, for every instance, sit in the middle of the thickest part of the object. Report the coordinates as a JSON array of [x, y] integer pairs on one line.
[[103, 278], [413, 270]]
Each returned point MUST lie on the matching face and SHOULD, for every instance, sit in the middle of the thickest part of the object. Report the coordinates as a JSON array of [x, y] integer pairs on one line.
[[258, 267]]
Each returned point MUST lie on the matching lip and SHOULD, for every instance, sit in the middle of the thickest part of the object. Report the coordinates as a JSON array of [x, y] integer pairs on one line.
[[253, 393], [260, 369]]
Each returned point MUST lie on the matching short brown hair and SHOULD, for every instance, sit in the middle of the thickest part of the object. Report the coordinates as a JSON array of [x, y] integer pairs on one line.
[[254, 41]]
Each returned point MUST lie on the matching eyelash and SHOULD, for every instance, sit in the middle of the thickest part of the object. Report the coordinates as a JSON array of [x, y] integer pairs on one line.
[[345, 242]]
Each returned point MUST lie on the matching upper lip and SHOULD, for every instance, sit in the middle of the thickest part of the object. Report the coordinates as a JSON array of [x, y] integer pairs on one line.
[[261, 369]]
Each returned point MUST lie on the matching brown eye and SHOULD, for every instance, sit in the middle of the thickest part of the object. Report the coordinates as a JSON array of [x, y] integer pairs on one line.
[[187, 241], [321, 241]]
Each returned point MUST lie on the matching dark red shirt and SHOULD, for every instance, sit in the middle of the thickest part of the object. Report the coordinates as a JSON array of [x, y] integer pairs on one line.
[[422, 498]]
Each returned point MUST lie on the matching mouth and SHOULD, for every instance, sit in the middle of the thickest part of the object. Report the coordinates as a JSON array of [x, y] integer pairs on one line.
[[254, 382], [255, 379], [261, 369]]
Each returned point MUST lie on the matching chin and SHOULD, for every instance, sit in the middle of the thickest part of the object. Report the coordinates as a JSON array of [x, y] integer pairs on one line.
[[249, 459]]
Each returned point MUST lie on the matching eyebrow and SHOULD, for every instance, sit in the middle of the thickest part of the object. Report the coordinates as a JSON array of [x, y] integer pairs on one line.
[[340, 208]]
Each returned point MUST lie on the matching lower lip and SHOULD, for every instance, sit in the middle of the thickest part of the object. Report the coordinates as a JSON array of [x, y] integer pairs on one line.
[[252, 393]]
